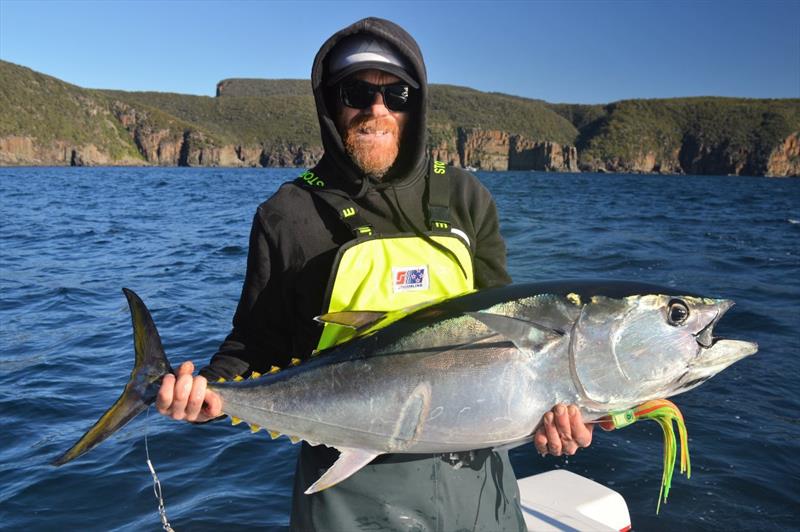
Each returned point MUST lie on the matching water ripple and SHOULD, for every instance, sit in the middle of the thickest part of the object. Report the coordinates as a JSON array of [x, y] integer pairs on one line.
[[72, 237]]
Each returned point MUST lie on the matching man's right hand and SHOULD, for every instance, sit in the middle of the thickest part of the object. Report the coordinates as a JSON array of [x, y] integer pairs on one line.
[[186, 397]]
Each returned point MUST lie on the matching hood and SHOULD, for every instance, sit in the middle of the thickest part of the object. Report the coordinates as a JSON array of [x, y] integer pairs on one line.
[[411, 161]]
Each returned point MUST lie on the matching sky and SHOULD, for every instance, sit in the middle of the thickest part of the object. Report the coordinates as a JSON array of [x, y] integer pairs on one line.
[[558, 51]]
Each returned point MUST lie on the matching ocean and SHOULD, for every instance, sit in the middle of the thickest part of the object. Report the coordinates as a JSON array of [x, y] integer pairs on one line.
[[71, 238]]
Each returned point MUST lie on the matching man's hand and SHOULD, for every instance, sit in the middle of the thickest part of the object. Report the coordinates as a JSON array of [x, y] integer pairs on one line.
[[186, 397], [562, 431]]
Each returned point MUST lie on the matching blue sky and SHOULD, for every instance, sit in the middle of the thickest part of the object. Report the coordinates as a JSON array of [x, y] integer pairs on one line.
[[559, 51]]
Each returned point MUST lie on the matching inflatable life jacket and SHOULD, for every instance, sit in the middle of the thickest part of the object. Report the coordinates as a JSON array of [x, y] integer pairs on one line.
[[387, 273]]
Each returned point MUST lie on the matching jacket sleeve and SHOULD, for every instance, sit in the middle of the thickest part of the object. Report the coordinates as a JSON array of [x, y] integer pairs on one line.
[[490, 248], [474, 209], [259, 338]]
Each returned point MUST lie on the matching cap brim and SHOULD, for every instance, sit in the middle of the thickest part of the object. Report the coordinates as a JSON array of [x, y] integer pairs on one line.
[[376, 65]]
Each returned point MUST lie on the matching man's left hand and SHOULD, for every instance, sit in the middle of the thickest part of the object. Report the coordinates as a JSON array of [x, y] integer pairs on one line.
[[562, 431]]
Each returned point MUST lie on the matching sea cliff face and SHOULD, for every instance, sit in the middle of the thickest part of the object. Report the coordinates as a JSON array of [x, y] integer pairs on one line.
[[696, 157], [156, 143], [784, 160], [191, 147], [27, 151], [44, 121], [500, 151]]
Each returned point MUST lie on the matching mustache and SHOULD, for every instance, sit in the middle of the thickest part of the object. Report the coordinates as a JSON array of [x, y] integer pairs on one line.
[[371, 124]]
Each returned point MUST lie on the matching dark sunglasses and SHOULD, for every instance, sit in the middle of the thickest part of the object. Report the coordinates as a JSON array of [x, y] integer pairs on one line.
[[360, 94]]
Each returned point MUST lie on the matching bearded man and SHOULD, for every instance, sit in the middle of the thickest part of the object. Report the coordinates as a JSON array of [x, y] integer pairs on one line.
[[312, 251]]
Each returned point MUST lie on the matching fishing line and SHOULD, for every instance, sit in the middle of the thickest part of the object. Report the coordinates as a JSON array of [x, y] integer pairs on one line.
[[162, 510]]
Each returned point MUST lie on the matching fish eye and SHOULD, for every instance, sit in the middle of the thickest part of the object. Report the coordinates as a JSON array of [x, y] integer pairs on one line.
[[677, 312]]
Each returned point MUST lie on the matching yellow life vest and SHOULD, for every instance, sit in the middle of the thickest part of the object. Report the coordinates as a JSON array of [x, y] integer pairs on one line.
[[387, 273]]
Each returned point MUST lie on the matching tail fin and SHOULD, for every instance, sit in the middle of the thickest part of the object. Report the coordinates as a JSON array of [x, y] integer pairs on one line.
[[150, 367]]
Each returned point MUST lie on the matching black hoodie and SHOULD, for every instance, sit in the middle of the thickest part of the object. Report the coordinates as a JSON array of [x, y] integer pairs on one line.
[[295, 236], [293, 242]]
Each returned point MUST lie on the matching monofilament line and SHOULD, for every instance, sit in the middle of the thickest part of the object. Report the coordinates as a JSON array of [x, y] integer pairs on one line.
[[162, 510]]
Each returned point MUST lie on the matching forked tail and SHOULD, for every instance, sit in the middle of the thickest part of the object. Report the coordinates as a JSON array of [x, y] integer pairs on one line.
[[150, 367]]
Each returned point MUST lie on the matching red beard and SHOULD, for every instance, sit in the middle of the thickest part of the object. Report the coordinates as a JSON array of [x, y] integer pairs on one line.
[[373, 144]]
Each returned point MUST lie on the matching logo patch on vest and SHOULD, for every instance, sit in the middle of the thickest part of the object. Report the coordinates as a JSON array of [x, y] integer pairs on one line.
[[410, 278]]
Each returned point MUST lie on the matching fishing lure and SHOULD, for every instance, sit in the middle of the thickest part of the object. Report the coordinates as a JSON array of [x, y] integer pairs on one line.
[[665, 413]]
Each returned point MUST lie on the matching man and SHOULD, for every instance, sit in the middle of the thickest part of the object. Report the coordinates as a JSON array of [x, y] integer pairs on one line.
[[312, 251]]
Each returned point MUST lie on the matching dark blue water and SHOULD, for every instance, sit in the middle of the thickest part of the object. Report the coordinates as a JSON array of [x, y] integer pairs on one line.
[[70, 239]]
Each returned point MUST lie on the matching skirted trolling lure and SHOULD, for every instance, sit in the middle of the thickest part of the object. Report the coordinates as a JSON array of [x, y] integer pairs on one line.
[[664, 413]]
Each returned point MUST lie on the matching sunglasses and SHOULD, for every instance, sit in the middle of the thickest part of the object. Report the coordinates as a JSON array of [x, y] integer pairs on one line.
[[360, 94]]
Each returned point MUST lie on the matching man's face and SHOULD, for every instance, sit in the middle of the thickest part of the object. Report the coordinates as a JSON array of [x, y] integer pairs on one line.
[[372, 135]]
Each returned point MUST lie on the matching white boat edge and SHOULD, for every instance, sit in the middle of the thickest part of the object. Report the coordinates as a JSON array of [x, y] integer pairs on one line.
[[564, 501]]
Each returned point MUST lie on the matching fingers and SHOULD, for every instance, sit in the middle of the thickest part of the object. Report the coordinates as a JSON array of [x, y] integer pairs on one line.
[[164, 397], [212, 407], [606, 423], [562, 431], [581, 432], [183, 396], [197, 393], [559, 433], [183, 387]]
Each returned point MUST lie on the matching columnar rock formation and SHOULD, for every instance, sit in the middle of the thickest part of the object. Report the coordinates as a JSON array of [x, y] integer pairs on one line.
[[499, 151]]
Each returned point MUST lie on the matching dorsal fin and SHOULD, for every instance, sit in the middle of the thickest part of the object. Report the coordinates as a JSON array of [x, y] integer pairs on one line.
[[526, 335]]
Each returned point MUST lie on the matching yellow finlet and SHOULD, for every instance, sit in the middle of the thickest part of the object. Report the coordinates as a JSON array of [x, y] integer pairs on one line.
[[574, 298], [294, 439], [254, 428], [238, 378], [235, 420], [255, 375], [274, 369], [274, 434], [295, 362], [221, 379]]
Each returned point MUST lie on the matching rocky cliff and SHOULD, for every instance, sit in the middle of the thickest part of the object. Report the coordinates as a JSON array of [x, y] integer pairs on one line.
[[784, 160], [500, 151], [45, 121], [176, 146], [718, 136]]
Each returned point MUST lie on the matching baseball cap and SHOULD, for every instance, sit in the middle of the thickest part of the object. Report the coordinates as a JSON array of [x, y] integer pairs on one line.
[[362, 52]]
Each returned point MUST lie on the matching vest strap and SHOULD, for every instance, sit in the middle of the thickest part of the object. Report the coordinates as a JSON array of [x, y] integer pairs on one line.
[[438, 201], [438, 197], [346, 209]]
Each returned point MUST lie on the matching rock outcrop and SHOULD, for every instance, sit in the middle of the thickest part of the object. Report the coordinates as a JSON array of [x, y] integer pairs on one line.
[[494, 150], [784, 160], [185, 146], [527, 154], [647, 162], [484, 149], [25, 151]]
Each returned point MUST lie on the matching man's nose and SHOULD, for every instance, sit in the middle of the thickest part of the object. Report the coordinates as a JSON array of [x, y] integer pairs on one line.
[[378, 107]]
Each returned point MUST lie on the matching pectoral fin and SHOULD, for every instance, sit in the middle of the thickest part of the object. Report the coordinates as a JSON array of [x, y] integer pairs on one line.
[[350, 461], [525, 335], [356, 320]]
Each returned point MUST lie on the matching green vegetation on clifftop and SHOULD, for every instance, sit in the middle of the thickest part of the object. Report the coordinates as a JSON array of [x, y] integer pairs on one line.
[[48, 109]]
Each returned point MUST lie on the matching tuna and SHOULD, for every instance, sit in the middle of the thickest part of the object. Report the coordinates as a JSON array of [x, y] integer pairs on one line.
[[472, 372]]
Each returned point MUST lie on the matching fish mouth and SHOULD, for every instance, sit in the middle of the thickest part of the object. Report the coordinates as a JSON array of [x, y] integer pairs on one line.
[[719, 353], [715, 354], [706, 337]]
